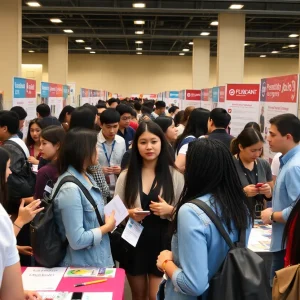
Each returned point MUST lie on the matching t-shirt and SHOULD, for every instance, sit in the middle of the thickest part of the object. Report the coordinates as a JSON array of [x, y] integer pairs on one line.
[[128, 136], [46, 176], [275, 166], [8, 250]]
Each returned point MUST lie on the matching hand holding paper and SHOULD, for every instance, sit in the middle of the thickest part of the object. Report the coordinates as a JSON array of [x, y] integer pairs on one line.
[[117, 205]]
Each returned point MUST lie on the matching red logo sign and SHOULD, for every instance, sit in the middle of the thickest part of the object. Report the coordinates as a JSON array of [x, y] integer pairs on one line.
[[30, 88], [242, 92], [193, 95]]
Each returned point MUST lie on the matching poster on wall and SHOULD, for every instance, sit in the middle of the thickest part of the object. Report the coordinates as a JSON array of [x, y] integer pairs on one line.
[[242, 103], [24, 95], [84, 96], [55, 96], [215, 97], [173, 98], [221, 102], [72, 94], [206, 98], [279, 95], [190, 98]]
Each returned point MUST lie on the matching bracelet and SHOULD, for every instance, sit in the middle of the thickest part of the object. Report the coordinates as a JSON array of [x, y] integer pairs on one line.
[[164, 264], [17, 226]]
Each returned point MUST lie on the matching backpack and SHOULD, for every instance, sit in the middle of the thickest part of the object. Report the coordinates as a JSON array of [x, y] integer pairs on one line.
[[286, 284], [48, 248], [242, 275]]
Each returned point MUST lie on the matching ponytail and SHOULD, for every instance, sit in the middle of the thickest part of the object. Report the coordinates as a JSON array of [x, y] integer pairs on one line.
[[234, 146]]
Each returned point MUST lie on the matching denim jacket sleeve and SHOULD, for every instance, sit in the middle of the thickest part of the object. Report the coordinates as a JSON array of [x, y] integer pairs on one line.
[[69, 204], [192, 277]]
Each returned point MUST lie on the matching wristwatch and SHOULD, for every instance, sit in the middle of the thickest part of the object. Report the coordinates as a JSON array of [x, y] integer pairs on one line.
[[272, 217]]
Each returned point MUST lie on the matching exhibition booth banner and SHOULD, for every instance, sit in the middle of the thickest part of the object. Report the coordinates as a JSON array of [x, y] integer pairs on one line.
[[279, 95], [91, 96], [172, 97], [190, 98], [72, 94], [24, 95], [222, 90], [215, 97], [242, 103], [206, 99], [55, 95]]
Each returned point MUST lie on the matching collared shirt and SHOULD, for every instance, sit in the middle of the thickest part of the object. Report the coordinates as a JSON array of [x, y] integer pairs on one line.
[[154, 115], [286, 192], [128, 135]]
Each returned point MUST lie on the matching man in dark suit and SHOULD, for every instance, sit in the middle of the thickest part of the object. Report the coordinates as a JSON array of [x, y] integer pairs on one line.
[[217, 123]]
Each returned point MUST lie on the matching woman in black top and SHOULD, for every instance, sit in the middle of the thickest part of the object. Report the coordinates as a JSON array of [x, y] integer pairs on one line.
[[254, 172]]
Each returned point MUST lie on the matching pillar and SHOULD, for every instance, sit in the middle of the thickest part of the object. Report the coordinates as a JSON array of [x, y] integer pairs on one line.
[[58, 59], [11, 47], [201, 59], [231, 48]]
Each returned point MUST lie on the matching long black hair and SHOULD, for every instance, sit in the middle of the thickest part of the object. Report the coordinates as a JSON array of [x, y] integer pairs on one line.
[[210, 169], [4, 158], [68, 109], [29, 140], [162, 169], [291, 231], [248, 137], [196, 125]]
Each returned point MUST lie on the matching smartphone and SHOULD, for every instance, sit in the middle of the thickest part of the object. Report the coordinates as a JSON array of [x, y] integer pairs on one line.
[[143, 212], [77, 296], [258, 185]]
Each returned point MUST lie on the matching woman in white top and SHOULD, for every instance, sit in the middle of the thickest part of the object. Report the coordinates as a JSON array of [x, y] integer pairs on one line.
[[151, 183], [11, 287]]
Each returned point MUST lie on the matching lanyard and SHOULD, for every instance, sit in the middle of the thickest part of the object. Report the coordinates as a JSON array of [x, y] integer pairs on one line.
[[105, 151]]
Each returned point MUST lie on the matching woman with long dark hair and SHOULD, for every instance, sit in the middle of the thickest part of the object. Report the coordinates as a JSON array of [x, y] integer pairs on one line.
[[254, 172], [198, 249], [195, 128], [151, 183], [291, 237], [65, 116]]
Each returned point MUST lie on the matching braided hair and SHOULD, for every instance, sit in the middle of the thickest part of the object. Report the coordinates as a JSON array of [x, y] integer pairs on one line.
[[210, 169]]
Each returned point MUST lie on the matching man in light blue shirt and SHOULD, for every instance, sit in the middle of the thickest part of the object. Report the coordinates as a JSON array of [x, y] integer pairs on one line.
[[284, 137]]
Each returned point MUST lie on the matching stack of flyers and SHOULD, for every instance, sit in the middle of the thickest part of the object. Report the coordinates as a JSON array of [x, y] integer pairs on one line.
[[82, 272]]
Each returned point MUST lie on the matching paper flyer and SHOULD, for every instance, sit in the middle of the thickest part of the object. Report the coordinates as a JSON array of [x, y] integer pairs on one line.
[[82, 272], [97, 296], [107, 272], [56, 295]]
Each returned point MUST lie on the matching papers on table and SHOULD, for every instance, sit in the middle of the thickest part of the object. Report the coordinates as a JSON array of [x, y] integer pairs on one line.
[[260, 238], [42, 279], [118, 206], [82, 272], [56, 295], [97, 296], [132, 232], [107, 272]]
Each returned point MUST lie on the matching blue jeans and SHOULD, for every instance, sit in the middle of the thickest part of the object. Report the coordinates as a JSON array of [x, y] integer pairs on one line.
[[277, 263]]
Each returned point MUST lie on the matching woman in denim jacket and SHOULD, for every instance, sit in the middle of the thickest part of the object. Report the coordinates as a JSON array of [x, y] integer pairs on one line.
[[89, 243], [198, 249]]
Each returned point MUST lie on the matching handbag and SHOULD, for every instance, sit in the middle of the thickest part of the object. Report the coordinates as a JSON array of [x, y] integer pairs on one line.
[[119, 247]]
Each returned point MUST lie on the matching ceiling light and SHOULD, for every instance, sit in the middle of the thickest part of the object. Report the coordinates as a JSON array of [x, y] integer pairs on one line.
[[185, 50], [139, 5], [31, 51], [56, 20], [246, 45], [214, 23], [68, 30], [236, 6], [87, 48], [191, 43], [139, 32], [205, 33], [139, 49], [139, 53], [33, 4], [263, 55], [139, 42], [285, 47], [181, 54], [92, 52], [79, 41], [139, 22], [275, 52], [293, 35], [292, 46]]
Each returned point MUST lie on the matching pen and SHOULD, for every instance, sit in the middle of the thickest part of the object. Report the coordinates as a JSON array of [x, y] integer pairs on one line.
[[90, 282]]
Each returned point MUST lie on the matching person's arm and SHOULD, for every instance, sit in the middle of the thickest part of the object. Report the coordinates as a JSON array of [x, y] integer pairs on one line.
[[180, 162]]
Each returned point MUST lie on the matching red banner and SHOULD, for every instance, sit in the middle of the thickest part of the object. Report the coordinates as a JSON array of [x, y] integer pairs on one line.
[[243, 92], [222, 94], [280, 89], [193, 95], [205, 94], [30, 88]]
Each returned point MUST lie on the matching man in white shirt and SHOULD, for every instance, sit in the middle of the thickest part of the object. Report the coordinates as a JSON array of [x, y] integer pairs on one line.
[[160, 109], [111, 147]]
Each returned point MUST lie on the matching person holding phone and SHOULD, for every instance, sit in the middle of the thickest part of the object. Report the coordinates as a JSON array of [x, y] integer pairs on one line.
[[149, 188], [254, 172]]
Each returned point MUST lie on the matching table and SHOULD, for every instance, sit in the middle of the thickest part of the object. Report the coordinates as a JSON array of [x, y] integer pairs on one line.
[[115, 285]]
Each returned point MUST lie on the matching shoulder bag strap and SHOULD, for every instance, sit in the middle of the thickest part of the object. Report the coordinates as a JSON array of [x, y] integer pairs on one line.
[[85, 192], [17, 145], [215, 219]]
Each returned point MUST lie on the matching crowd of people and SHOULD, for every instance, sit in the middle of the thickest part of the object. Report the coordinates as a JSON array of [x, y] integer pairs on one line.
[[157, 160]]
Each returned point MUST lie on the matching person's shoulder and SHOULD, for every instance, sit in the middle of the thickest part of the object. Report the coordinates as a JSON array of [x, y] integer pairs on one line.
[[263, 162], [119, 139], [176, 174], [47, 168]]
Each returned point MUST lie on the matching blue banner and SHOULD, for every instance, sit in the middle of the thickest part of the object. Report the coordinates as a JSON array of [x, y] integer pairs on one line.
[[19, 87], [215, 94], [45, 89], [174, 94], [65, 91]]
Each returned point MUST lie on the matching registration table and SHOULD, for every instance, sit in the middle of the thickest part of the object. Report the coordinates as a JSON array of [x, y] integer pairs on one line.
[[114, 285]]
